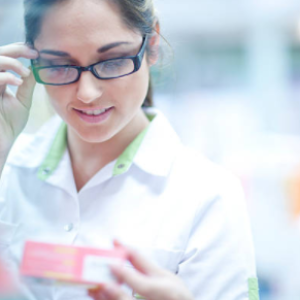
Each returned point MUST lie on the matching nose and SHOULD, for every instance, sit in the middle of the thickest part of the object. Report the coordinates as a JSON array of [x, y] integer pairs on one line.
[[89, 87]]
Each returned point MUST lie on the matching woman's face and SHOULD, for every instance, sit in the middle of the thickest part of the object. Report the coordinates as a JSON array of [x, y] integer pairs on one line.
[[75, 31]]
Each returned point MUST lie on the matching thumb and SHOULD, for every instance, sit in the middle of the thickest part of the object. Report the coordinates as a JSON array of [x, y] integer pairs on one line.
[[25, 91]]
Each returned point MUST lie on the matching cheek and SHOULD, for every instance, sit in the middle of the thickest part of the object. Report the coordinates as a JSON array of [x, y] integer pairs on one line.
[[59, 96], [131, 91], [140, 81]]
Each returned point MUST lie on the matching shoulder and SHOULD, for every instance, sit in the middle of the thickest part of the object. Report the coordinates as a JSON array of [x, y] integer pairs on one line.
[[23, 140], [218, 195], [200, 172], [29, 150], [205, 192]]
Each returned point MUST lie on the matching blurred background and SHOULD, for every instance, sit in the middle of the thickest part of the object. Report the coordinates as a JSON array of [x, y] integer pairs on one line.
[[230, 86]]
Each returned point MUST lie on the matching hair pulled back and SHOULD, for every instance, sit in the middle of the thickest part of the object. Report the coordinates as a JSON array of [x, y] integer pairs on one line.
[[138, 15]]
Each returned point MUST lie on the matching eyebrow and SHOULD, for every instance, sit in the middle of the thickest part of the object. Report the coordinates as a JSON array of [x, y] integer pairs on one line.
[[100, 50], [112, 45], [54, 52]]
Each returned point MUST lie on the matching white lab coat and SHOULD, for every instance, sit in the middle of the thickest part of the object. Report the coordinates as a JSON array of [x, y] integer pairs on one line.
[[182, 211]]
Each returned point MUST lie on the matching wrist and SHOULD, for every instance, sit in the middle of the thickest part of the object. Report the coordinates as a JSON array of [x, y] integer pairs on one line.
[[4, 152]]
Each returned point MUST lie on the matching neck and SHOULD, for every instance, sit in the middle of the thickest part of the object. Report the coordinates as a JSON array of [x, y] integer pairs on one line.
[[88, 158]]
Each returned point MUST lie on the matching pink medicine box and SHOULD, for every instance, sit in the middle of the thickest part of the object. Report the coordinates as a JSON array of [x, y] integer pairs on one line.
[[70, 264]]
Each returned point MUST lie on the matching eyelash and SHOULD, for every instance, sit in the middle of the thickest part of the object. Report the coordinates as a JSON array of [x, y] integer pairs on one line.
[[53, 63], [48, 62]]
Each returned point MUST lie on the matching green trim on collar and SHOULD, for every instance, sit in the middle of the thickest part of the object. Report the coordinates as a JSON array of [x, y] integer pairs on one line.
[[137, 296], [150, 117], [55, 153], [126, 158], [59, 146], [253, 289]]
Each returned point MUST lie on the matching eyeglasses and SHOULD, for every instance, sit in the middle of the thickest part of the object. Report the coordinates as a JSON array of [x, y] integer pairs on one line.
[[106, 69]]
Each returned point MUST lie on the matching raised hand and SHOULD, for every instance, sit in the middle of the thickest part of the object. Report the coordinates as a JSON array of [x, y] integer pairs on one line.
[[14, 109]]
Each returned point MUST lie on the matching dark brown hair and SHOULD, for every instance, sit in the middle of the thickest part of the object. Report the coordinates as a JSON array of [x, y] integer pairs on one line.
[[138, 15]]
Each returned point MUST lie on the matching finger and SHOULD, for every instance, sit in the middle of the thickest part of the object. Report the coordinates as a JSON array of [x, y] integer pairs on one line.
[[118, 244], [8, 78], [8, 63], [17, 50], [113, 292], [25, 91], [93, 292], [96, 295], [138, 261], [137, 281]]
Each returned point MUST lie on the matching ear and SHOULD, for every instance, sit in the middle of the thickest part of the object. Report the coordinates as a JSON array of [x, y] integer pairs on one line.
[[154, 45]]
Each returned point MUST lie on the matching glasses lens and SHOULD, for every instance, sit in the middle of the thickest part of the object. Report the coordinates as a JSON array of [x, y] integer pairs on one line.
[[58, 75], [114, 68]]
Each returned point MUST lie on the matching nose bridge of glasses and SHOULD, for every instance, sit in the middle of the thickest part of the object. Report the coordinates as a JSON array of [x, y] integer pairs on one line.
[[88, 68]]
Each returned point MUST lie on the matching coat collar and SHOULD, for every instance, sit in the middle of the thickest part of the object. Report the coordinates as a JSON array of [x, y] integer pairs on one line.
[[153, 150]]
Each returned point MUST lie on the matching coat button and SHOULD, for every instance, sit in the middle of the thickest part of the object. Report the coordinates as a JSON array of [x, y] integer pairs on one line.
[[121, 166], [46, 171], [68, 227]]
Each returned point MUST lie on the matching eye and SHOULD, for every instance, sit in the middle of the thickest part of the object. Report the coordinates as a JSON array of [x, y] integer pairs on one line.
[[58, 75], [58, 70], [50, 73], [112, 64], [114, 68]]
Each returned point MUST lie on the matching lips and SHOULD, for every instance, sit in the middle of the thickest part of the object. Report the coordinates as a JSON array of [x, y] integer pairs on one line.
[[95, 112], [95, 115]]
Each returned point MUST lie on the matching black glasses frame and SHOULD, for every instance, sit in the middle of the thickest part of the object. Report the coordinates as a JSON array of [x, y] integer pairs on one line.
[[137, 61]]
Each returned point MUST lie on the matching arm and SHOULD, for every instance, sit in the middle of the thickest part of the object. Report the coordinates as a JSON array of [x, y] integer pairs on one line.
[[2, 162], [219, 259]]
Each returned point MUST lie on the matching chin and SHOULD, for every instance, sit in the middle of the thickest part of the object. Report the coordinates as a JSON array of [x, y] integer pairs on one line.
[[93, 136]]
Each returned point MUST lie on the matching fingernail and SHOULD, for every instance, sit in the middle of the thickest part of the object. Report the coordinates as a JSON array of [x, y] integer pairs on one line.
[[18, 81], [33, 52], [118, 243]]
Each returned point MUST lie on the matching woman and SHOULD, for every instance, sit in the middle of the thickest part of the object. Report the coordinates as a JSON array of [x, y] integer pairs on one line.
[[111, 166]]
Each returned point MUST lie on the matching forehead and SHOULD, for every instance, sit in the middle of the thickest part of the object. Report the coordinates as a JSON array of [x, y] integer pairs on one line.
[[89, 22]]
